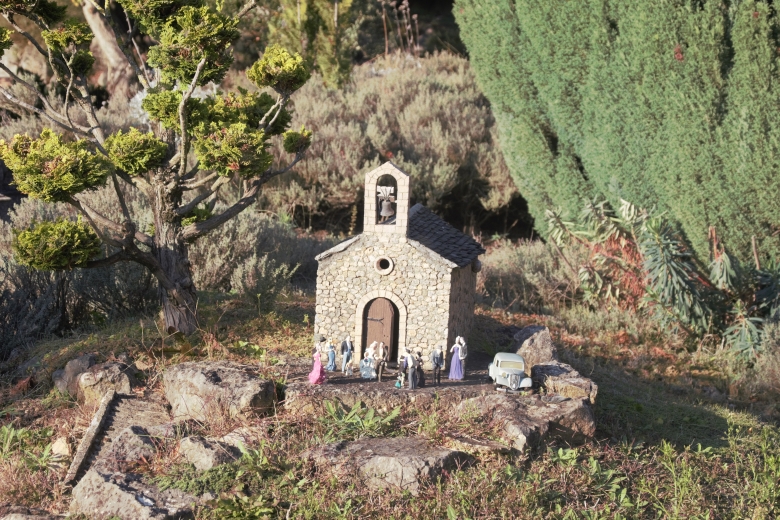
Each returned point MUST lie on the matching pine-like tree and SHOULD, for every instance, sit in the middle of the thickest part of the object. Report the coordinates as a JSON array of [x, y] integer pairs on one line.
[[668, 103], [197, 145]]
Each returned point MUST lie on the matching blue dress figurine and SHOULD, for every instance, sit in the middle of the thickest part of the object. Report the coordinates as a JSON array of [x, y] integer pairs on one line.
[[331, 356]]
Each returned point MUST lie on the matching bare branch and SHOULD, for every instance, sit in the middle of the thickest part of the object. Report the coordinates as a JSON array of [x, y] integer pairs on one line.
[[282, 102], [193, 171], [110, 224], [200, 183], [276, 105], [131, 36], [34, 90], [76, 129], [199, 229], [10, 18], [119, 256], [121, 198], [247, 7], [191, 205], [183, 118]]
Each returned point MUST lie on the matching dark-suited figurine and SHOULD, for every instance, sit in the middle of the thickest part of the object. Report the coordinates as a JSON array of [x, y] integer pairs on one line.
[[437, 360]]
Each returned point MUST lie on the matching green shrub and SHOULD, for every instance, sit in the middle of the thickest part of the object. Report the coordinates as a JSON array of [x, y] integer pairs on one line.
[[426, 115], [61, 244], [668, 104], [51, 169], [262, 279]]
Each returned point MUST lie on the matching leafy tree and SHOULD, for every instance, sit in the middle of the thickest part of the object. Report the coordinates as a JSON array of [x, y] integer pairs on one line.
[[196, 146], [667, 103]]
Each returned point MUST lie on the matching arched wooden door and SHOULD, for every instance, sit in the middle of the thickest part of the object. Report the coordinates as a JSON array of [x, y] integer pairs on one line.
[[380, 323]]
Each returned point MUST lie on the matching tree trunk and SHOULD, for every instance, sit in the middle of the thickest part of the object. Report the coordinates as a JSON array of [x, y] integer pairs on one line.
[[178, 297], [119, 77]]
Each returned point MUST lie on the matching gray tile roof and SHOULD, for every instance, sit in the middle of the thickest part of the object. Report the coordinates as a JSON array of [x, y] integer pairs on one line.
[[441, 238]]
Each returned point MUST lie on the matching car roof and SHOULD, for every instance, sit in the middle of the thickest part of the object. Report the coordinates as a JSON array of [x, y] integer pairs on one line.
[[508, 356]]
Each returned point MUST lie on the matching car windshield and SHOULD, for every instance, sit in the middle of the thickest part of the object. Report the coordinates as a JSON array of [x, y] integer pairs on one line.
[[512, 364]]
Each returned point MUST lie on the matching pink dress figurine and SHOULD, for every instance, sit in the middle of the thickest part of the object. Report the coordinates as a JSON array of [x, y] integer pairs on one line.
[[317, 375]]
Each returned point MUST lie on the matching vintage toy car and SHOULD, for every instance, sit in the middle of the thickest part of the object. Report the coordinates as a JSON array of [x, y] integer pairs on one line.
[[508, 372]]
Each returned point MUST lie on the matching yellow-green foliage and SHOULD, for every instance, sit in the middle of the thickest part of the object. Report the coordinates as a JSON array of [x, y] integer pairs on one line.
[[151, 15], [243, 107], [163, 106], [134, 152], [232, 149], [280, 70], [71, 33], [48, 12], [52, 170], [62, 244], [190, 36], [5, 40], [296, 142]]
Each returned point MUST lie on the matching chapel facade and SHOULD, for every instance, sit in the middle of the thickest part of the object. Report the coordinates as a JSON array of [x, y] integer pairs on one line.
[[409, 279]]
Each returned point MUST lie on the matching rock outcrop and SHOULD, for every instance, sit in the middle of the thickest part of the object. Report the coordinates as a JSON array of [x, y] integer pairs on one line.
[[400, 462], [197, 389], [535, 344], [527, 420], [101, 496], [66, 380], [205, 454], [99, 379], [561, 379], [24, 513]]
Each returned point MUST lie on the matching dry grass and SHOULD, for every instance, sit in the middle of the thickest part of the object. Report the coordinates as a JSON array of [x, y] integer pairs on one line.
[[653, 411]]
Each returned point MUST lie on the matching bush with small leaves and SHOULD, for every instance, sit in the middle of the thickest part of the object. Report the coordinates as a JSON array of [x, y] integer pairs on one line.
[[51, 169], [280, 70], [192, 36], [62, 244], [296, 142], [134, 152]]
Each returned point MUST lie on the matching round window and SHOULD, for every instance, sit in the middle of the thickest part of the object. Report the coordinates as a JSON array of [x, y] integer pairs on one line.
[[384, 265]]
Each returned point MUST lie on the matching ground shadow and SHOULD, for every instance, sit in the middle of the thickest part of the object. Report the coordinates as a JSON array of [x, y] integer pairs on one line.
[[629, 408]]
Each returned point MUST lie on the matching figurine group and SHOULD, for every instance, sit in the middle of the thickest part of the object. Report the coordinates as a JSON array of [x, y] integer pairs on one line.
[[375, 360]]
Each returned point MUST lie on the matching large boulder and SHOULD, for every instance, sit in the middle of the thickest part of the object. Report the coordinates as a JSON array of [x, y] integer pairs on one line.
[[400, 462], [205, 454], [197, 389], [535, 344], [561, 379], [66, 380], [99, 379], [101, 496], [528, 420]]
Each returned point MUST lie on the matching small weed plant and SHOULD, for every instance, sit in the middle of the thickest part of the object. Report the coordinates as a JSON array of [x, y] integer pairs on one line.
[[344, 424]]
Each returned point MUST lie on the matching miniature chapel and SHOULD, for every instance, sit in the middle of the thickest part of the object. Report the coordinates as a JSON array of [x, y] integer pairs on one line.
[[408, 280]]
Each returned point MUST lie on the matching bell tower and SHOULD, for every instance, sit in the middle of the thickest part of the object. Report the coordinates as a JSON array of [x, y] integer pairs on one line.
[[386, 201]]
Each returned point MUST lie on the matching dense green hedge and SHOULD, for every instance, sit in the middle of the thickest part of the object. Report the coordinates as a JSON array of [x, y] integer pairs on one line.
[[666, 103]]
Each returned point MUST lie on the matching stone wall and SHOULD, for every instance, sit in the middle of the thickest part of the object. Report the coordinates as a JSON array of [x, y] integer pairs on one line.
[[418, 284], [464, 283]]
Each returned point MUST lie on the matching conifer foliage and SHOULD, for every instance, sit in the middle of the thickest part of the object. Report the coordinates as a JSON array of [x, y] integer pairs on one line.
[[196, 146], [667, 103]]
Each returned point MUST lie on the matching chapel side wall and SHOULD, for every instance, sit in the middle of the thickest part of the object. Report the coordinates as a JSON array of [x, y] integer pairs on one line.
[[418, 282], [462, 301]]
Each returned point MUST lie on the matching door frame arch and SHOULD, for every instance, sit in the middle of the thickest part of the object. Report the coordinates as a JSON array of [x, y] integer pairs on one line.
[[361, 309]]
